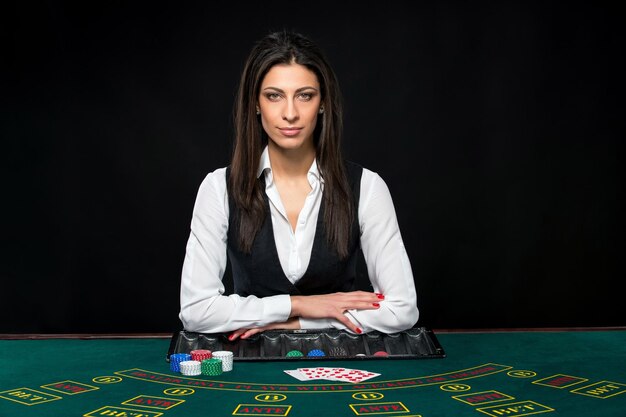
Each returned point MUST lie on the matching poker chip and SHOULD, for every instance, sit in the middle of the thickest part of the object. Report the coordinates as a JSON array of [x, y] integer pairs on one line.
[[360, 355], [176, 359], [190, 368], [200, 354], [381, 353], [211, 367], [316, 353], [337, 351], [294, 354], [226, 357]]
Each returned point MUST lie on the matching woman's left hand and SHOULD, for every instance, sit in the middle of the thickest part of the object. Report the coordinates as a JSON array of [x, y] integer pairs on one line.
[[291, 324]]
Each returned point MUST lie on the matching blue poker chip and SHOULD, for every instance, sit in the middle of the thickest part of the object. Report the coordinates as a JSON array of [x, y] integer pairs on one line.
[[316, 353], [176, 359]]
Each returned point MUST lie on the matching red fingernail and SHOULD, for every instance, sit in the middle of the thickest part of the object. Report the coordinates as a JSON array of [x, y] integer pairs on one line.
[[231, 337], [376, 304], [359, 331], [380, 296]]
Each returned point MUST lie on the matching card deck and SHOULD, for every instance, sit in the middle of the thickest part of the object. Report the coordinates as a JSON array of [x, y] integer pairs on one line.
[[331, 374]]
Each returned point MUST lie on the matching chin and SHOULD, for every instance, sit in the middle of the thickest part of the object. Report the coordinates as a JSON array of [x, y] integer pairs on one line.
[[289, 143]]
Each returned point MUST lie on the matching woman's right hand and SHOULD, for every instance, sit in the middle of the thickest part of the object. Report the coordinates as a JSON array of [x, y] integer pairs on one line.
[[334, 305]]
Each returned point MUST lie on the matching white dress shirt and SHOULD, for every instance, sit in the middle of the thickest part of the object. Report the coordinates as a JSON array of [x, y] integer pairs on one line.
[[205, 309]]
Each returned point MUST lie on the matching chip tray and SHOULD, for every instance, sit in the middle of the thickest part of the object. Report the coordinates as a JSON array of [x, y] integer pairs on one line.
[[414, 343]]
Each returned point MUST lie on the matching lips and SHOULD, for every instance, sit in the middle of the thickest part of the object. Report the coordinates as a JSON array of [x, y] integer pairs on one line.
[[290, 131]]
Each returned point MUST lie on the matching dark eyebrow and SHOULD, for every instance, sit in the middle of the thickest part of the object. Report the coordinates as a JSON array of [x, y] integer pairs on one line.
[[299, 90]]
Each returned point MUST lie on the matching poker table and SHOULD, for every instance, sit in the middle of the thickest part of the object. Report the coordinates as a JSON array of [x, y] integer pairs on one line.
[[557, 372]]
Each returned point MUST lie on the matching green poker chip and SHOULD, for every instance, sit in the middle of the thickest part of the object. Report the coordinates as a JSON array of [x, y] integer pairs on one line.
[[294, 354], [211, 367]]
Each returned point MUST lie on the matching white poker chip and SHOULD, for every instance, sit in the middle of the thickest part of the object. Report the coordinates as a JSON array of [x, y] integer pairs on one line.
[[226, 357], [190, 368]]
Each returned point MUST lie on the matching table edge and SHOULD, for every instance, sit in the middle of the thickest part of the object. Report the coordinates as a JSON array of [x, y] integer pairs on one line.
[[87, 336]]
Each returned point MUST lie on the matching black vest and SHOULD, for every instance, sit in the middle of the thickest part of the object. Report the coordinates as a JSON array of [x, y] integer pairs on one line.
[[260, 273]]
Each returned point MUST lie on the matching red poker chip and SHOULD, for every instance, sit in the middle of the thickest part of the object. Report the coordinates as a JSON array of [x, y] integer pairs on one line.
[[201, 354]]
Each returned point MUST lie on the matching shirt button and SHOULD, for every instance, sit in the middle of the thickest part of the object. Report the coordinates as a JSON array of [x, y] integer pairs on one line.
[[293, 277], [302, 222]]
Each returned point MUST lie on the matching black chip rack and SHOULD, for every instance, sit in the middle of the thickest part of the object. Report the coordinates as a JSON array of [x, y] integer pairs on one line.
[[414, 343]]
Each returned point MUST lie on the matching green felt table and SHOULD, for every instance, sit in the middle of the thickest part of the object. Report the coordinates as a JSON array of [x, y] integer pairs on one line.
[[502, 373]]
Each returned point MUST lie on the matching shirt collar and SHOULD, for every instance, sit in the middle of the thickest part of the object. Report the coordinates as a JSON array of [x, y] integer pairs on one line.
[[266, 166], [264, 163]]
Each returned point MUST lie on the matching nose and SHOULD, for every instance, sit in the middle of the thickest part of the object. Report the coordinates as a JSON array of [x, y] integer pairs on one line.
[[290, 111]]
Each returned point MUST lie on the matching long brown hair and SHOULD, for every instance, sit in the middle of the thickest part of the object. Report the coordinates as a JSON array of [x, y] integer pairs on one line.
[[285, 47]]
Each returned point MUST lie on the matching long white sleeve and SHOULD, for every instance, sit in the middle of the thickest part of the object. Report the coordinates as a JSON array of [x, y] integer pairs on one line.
[[204, 308], [388, 264]]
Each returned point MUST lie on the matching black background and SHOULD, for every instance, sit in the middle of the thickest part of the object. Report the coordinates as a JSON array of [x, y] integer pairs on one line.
[[498, 128]]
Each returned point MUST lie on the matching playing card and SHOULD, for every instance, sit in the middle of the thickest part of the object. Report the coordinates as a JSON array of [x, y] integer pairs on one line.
[[352, 375], [320, 372], [296, 374]]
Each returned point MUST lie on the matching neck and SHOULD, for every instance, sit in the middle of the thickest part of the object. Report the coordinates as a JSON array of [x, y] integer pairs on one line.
[[290, 162]]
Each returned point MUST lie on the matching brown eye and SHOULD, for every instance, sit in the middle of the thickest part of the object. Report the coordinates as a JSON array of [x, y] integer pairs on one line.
[[272, 96], [306, 96]]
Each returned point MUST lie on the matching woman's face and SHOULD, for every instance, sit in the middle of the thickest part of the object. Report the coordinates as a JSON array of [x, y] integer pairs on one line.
[[289, 101]]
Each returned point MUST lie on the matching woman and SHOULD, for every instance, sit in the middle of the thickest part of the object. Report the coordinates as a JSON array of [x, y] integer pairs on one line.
[[290, 214]]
